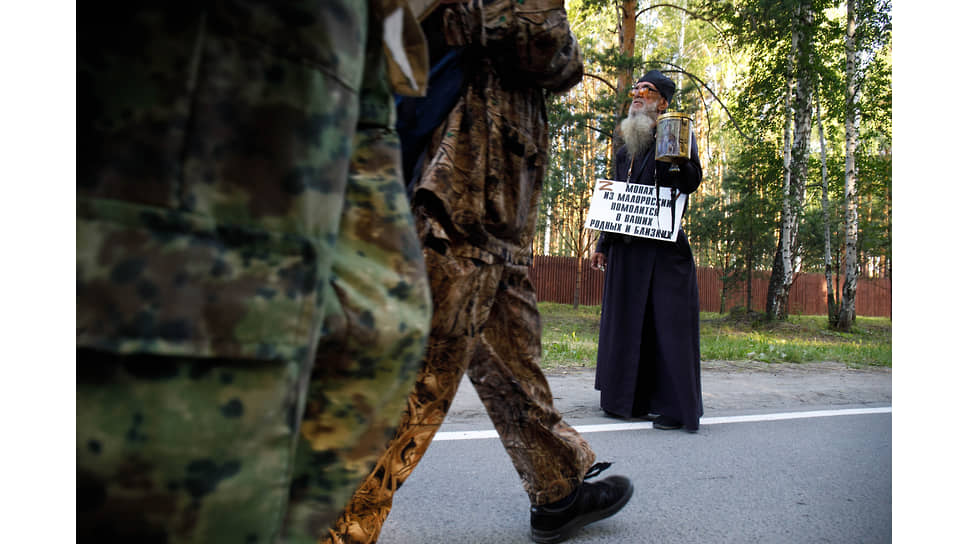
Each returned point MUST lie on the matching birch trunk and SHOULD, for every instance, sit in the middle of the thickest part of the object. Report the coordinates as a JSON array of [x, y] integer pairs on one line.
[[682, 43], [851, 271], [546, 249], [777, 294], [832, 309], [796, 155]]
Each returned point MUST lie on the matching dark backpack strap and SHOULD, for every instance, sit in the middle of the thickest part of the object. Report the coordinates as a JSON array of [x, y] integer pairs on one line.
[[418, 117]]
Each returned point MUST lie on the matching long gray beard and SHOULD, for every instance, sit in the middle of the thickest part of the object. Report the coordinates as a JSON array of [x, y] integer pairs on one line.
[[638, 131]]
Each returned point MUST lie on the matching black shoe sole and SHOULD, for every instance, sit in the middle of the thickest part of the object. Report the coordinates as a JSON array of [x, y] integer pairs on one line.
[[569, 529], [644, 417], [666, 427]]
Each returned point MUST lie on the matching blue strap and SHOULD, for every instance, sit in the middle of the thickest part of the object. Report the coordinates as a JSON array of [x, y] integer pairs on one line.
[[418, 117]]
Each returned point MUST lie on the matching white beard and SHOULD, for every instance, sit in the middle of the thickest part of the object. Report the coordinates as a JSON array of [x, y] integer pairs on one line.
[[638, 131]]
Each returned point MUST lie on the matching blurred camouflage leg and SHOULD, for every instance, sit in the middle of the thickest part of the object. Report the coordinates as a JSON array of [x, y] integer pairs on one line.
[[461, 291], [200, 252], [183, 449], [372, 344]]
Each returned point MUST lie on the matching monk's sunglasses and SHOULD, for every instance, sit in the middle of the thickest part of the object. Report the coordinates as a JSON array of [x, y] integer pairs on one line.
[[642, 92]]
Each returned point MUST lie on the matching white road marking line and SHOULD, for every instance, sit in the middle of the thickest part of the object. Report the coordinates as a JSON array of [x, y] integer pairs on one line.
[[639, 425]]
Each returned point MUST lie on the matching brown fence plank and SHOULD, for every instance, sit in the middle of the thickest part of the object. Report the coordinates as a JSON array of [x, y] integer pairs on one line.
[[554, 281]]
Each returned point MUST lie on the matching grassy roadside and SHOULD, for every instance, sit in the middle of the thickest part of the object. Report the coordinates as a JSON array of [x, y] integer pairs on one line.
[[570, 338]]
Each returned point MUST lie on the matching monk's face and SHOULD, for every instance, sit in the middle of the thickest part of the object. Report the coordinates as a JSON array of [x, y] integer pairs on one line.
[[646, 100]]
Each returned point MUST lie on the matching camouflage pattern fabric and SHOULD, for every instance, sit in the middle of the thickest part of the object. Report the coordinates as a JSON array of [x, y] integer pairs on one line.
[[485, 169], [374, 337], [486, 322], [475, 206], [239, 203]]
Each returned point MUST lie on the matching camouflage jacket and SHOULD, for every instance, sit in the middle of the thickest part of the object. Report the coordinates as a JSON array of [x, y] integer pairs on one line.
[[214, 142], [481, 182]]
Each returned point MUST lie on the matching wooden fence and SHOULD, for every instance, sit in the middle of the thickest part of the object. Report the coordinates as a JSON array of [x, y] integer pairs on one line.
[[554, 281]]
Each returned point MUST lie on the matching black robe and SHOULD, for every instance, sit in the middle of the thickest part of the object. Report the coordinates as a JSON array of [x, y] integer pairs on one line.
[[648, 346]]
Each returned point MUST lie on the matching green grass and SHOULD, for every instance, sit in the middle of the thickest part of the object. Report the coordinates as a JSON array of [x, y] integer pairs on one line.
[[570, 338]]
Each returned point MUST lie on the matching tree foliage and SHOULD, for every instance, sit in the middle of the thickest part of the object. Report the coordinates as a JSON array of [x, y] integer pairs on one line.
[[731, 61]]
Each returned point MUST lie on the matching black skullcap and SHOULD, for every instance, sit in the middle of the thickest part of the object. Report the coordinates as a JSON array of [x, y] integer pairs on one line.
[[665, 85]]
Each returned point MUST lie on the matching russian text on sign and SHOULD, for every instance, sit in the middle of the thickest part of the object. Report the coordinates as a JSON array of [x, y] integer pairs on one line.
[[630, 208]]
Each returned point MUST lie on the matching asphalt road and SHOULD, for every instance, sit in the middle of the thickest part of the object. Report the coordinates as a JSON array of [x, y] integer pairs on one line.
[[784, 454]]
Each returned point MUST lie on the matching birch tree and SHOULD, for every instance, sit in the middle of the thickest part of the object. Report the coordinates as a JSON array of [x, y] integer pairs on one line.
[[848, 300], [832, 308], [863, 37], [796, 155]]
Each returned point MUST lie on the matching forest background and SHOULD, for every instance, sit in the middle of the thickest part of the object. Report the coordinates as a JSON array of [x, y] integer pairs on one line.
[[792, 110]]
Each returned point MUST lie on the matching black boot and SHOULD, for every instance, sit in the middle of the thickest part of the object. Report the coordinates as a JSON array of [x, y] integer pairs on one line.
[[591, 502]]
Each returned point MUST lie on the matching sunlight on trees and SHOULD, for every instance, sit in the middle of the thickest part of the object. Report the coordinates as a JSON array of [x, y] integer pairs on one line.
[[732, 61]]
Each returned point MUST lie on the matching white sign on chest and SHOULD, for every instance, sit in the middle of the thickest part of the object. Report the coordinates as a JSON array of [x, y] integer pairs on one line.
[[634, 209]]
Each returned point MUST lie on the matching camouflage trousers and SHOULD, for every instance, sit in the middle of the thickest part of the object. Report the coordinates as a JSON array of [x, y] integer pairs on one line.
[[485, 322], [206, 449]]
